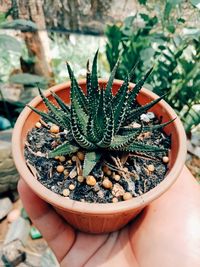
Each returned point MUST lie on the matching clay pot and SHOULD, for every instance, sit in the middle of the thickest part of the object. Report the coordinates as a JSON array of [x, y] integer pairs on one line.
[[92, 217]]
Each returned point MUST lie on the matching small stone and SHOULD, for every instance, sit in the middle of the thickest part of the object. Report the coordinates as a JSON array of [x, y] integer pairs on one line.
[[165, 159], [108, 172], [13, 215], [60, 168], [144, 118], [39, 153], [135, 125], [62, 158], [74, 158], [116, 177], [35, 233], [127, 196], [80, 178], [56, 157], [38, 125], [71, 186], [19, 229], [115, 200], [54, 129], [13, 253], [90, 180], [66, 192], [151, 115], [66, 172], [151, 167], [118, 190], [5, 207], [107, 183], [73, 173], [69, 162], [80, 155]]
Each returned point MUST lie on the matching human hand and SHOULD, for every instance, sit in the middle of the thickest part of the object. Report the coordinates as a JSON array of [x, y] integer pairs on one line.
[[166, 233]]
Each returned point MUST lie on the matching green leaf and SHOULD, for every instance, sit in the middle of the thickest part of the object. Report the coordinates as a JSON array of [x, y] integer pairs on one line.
[[135, 113], [91, 159], [64, 149], [76, 91], [119, 141], [141, 147], [108, 90], [10, 43], [28, 79], [135, 91], [119, 105], [109, 131], [44, 115], [59, 115], [61, 103], [78, 136], [142, 2]]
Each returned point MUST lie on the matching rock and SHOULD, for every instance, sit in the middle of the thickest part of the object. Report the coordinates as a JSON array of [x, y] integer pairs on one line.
[[5, 207], [13, 215], [49, 259], [151, 115], [4, 123], [13, 253], [144, 118], [8, 175], [19, 229]]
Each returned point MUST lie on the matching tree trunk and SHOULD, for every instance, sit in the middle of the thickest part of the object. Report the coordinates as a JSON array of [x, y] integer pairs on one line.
[[37, 42]]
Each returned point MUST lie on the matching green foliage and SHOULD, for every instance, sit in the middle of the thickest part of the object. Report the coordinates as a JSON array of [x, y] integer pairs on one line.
[[94, 120], [28, 79], [159, 39]]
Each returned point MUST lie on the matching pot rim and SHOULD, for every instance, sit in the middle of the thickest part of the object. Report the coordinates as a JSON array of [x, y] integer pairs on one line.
[[95, 208]]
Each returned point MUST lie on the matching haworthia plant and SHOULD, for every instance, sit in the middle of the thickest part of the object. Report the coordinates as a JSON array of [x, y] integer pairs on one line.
[[98, 120]]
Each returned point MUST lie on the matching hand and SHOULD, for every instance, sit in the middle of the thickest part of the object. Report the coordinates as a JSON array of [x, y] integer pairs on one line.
[[166, 233]]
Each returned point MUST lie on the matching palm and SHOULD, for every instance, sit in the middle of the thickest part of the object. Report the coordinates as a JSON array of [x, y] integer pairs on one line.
[[166, 233]]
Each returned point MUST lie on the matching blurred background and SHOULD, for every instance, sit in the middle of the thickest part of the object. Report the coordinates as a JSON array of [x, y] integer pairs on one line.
[[37, 37]]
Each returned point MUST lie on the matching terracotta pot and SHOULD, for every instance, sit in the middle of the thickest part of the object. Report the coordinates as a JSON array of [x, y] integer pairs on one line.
[[92, 217]]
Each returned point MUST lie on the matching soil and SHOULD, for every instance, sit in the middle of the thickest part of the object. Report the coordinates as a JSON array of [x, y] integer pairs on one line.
[[133, 169]]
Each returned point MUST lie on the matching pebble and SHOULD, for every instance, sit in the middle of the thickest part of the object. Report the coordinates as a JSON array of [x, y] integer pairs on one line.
[[38, 125], [73, 174], [65, 192], [144, 118], [5, 207], [66, 172], [90, 180], [39, 153], [71, 186], [80, 178], [107, 183], [115, 200], [62, 158], [69, 162], [151, 115], [165, 159], [116, 177], [74, 158], [57, 157], [118, 190], [109, 172], [13, 215], [54, 129], [80, 155], [151, 167], [135, 125], [60, 168], [127, 196]]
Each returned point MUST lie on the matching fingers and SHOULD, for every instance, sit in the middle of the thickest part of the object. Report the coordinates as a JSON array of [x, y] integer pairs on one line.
[[59, 235]]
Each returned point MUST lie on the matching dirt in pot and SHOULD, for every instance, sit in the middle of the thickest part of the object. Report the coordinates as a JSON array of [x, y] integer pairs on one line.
[[118, 176]]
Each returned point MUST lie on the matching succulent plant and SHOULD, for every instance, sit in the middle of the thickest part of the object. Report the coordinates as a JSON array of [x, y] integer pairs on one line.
[[98, 120]]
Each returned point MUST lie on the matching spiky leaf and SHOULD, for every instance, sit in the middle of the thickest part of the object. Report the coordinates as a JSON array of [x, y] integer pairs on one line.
[[46, 117], [61, 103], [108, 90], [64, 149], [91, 158], [141, 147]]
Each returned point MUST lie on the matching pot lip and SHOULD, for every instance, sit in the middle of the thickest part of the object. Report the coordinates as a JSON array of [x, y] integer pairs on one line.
[[95, 208]]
